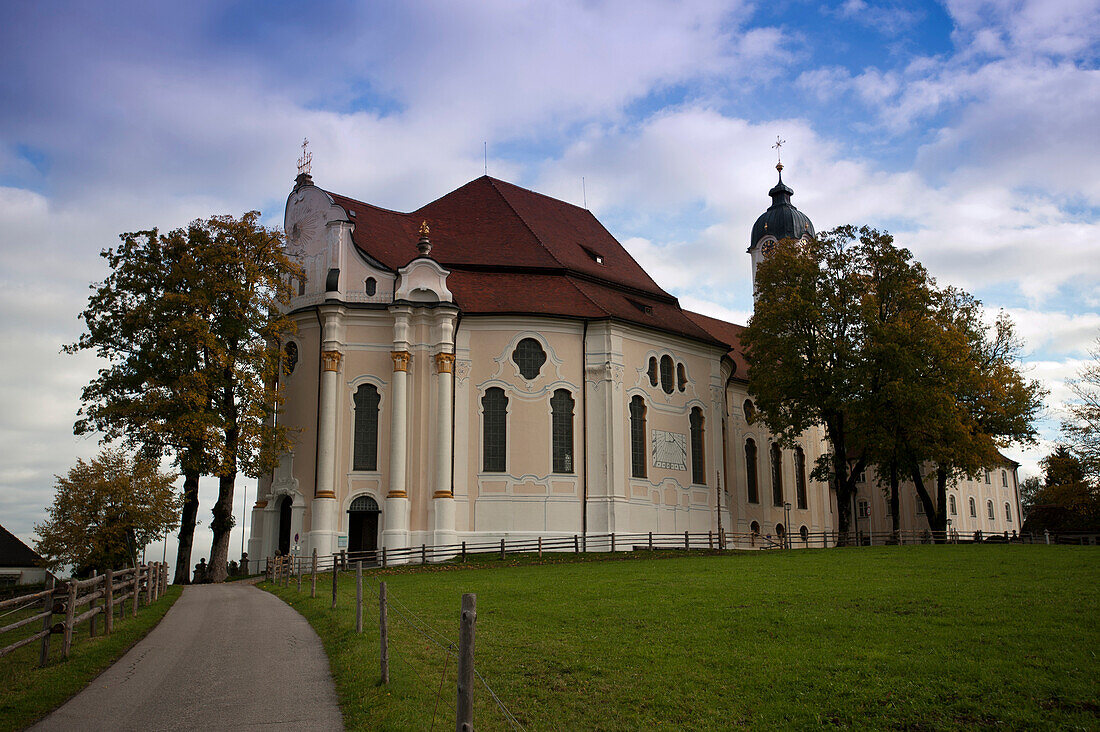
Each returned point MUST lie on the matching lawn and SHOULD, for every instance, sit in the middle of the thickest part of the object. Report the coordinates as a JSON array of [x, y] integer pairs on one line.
[[28, 693], [915, 637]]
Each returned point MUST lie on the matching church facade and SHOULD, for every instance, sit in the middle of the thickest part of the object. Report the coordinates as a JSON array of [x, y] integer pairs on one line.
[[496, 365]]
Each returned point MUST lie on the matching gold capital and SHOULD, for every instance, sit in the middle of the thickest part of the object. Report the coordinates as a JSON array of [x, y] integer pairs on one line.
[[445, 363], [400, 360], [330, 360]]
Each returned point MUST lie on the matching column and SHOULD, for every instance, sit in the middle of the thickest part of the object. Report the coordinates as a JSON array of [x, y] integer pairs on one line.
[[396, 513], [443, 498], [323, 528]]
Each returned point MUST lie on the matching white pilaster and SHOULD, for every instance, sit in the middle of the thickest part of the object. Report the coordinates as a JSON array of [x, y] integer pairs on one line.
[[395, 516], [443, 499]]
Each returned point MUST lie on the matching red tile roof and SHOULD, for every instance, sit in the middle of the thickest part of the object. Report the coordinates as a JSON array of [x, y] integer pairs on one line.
[[511, 250], [727, 333]]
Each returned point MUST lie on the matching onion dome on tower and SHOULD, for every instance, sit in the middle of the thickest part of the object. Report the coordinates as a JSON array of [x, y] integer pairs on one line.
[[782, 220]]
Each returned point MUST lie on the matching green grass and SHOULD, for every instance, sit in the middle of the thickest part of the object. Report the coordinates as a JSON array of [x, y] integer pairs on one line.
[[913, 637], [28, 693]]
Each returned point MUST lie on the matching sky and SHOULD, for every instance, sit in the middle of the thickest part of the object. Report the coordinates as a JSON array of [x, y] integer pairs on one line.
[[969, 129]]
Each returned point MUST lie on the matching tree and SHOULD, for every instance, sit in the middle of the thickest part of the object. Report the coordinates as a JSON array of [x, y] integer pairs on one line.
[[1082, 427], [805, 346], [243, 274], [106, 511], [850, 332], [1066, 500], [146, 320]]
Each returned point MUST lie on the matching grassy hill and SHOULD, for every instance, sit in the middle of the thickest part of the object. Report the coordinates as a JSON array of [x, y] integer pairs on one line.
[[916, 637]]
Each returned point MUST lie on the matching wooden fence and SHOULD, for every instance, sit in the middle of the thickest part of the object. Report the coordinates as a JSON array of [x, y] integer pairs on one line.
[[104, 596]]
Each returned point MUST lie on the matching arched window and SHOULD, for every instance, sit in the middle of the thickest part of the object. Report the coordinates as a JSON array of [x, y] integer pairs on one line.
[[754, 527], [989, 510], [804, 532], [681, 377], [987, 480], [777, 475], [637, 437], [750, 411], [365, 447], [290, 357], [1008, 512], [652, 371], [780, 531], [301, 286], [698, 456], [363, 503], [495, 440], [751, 471], [973, 509], [920, 506], [666, 374], [561, 408], [951, 505], [1004, 478], [370, 286], [800, 477], [530, 357]]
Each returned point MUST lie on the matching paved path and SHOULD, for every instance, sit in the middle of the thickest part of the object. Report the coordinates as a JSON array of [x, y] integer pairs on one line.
[[224, 657]]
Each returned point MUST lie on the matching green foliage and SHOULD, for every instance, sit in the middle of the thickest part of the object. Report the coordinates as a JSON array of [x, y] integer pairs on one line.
[[1066, 500], [850, 332], [854, 638], [105, 512]]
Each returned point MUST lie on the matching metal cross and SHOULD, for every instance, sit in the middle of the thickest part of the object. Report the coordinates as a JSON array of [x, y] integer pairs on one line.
[[778, 144], [305, 161]]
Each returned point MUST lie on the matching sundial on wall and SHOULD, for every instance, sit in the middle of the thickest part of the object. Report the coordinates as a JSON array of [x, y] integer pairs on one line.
[[669, 450], [307, 227]]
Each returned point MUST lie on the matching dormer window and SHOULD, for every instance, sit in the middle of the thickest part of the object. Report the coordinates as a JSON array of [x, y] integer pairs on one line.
[[370, 286], [647, 309], [596, 256]]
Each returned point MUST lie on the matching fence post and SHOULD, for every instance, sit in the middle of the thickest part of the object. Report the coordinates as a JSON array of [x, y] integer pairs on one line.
[[384, 554], [313, 576], [92, 606], [423, 553], [137, 590], [156, 580], [576, 545], [1046, 535], [687, 541], [651, 541], [70, 611], [298, 561], [109, 615], [148, 585], [612, 541], [502, 548], [710, 540], [47, 607], [335, 569], [463, 552], [540, 547], [359, 596], [344, 559], [384, 634], [464, 721]]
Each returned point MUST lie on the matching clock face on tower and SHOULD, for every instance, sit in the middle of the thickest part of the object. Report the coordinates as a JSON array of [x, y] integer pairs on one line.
[[767, 247], [669, 450]]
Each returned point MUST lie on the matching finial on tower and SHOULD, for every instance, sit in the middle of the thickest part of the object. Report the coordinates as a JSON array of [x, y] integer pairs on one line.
[[305, 163], [424, 246], [778, 154]]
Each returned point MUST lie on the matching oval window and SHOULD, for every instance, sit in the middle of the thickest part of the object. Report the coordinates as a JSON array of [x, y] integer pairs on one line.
[[666, 374], [529, 357], [370, 286]]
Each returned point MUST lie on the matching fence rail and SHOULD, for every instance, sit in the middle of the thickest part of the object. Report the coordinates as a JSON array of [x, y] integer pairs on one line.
[[103, 595]]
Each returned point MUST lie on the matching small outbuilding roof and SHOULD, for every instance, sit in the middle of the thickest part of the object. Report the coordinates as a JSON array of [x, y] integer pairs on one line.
[[14, 553]]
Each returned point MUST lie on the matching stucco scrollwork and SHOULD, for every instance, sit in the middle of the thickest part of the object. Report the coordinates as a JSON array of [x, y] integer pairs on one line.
[[462, 372]]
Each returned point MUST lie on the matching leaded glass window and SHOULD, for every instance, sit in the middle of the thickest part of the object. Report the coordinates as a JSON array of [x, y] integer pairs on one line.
[[365, 452], [750, 471], [495, 417], [681, 377], [698, 456], [637, 437], [530, 357], [777, 475], [666, 374], [652, 371], [800, 477], [561, 408]]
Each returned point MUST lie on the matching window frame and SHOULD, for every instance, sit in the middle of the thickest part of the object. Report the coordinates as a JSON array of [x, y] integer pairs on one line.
[[486, 425], [752, 474], [697, 434], [775, 461], [528, 356], [639, 460], [562, 433], [358, 427], [800, 488]]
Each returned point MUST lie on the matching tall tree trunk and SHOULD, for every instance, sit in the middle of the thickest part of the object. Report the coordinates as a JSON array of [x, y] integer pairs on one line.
[[222, 525], [844, 478], [187, 526], [936, 516]]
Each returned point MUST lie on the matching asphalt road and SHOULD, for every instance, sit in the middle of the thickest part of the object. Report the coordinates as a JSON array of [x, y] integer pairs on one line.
[[224, 657]]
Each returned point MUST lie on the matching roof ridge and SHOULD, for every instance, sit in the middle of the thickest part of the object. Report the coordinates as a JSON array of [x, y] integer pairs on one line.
[[569, 278], [364, 203], [493, 183]]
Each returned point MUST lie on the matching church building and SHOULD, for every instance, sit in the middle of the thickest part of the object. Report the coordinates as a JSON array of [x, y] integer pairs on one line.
[[496, 365]]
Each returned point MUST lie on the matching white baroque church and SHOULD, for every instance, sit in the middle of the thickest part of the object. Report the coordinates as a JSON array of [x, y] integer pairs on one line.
[[496, 365]]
